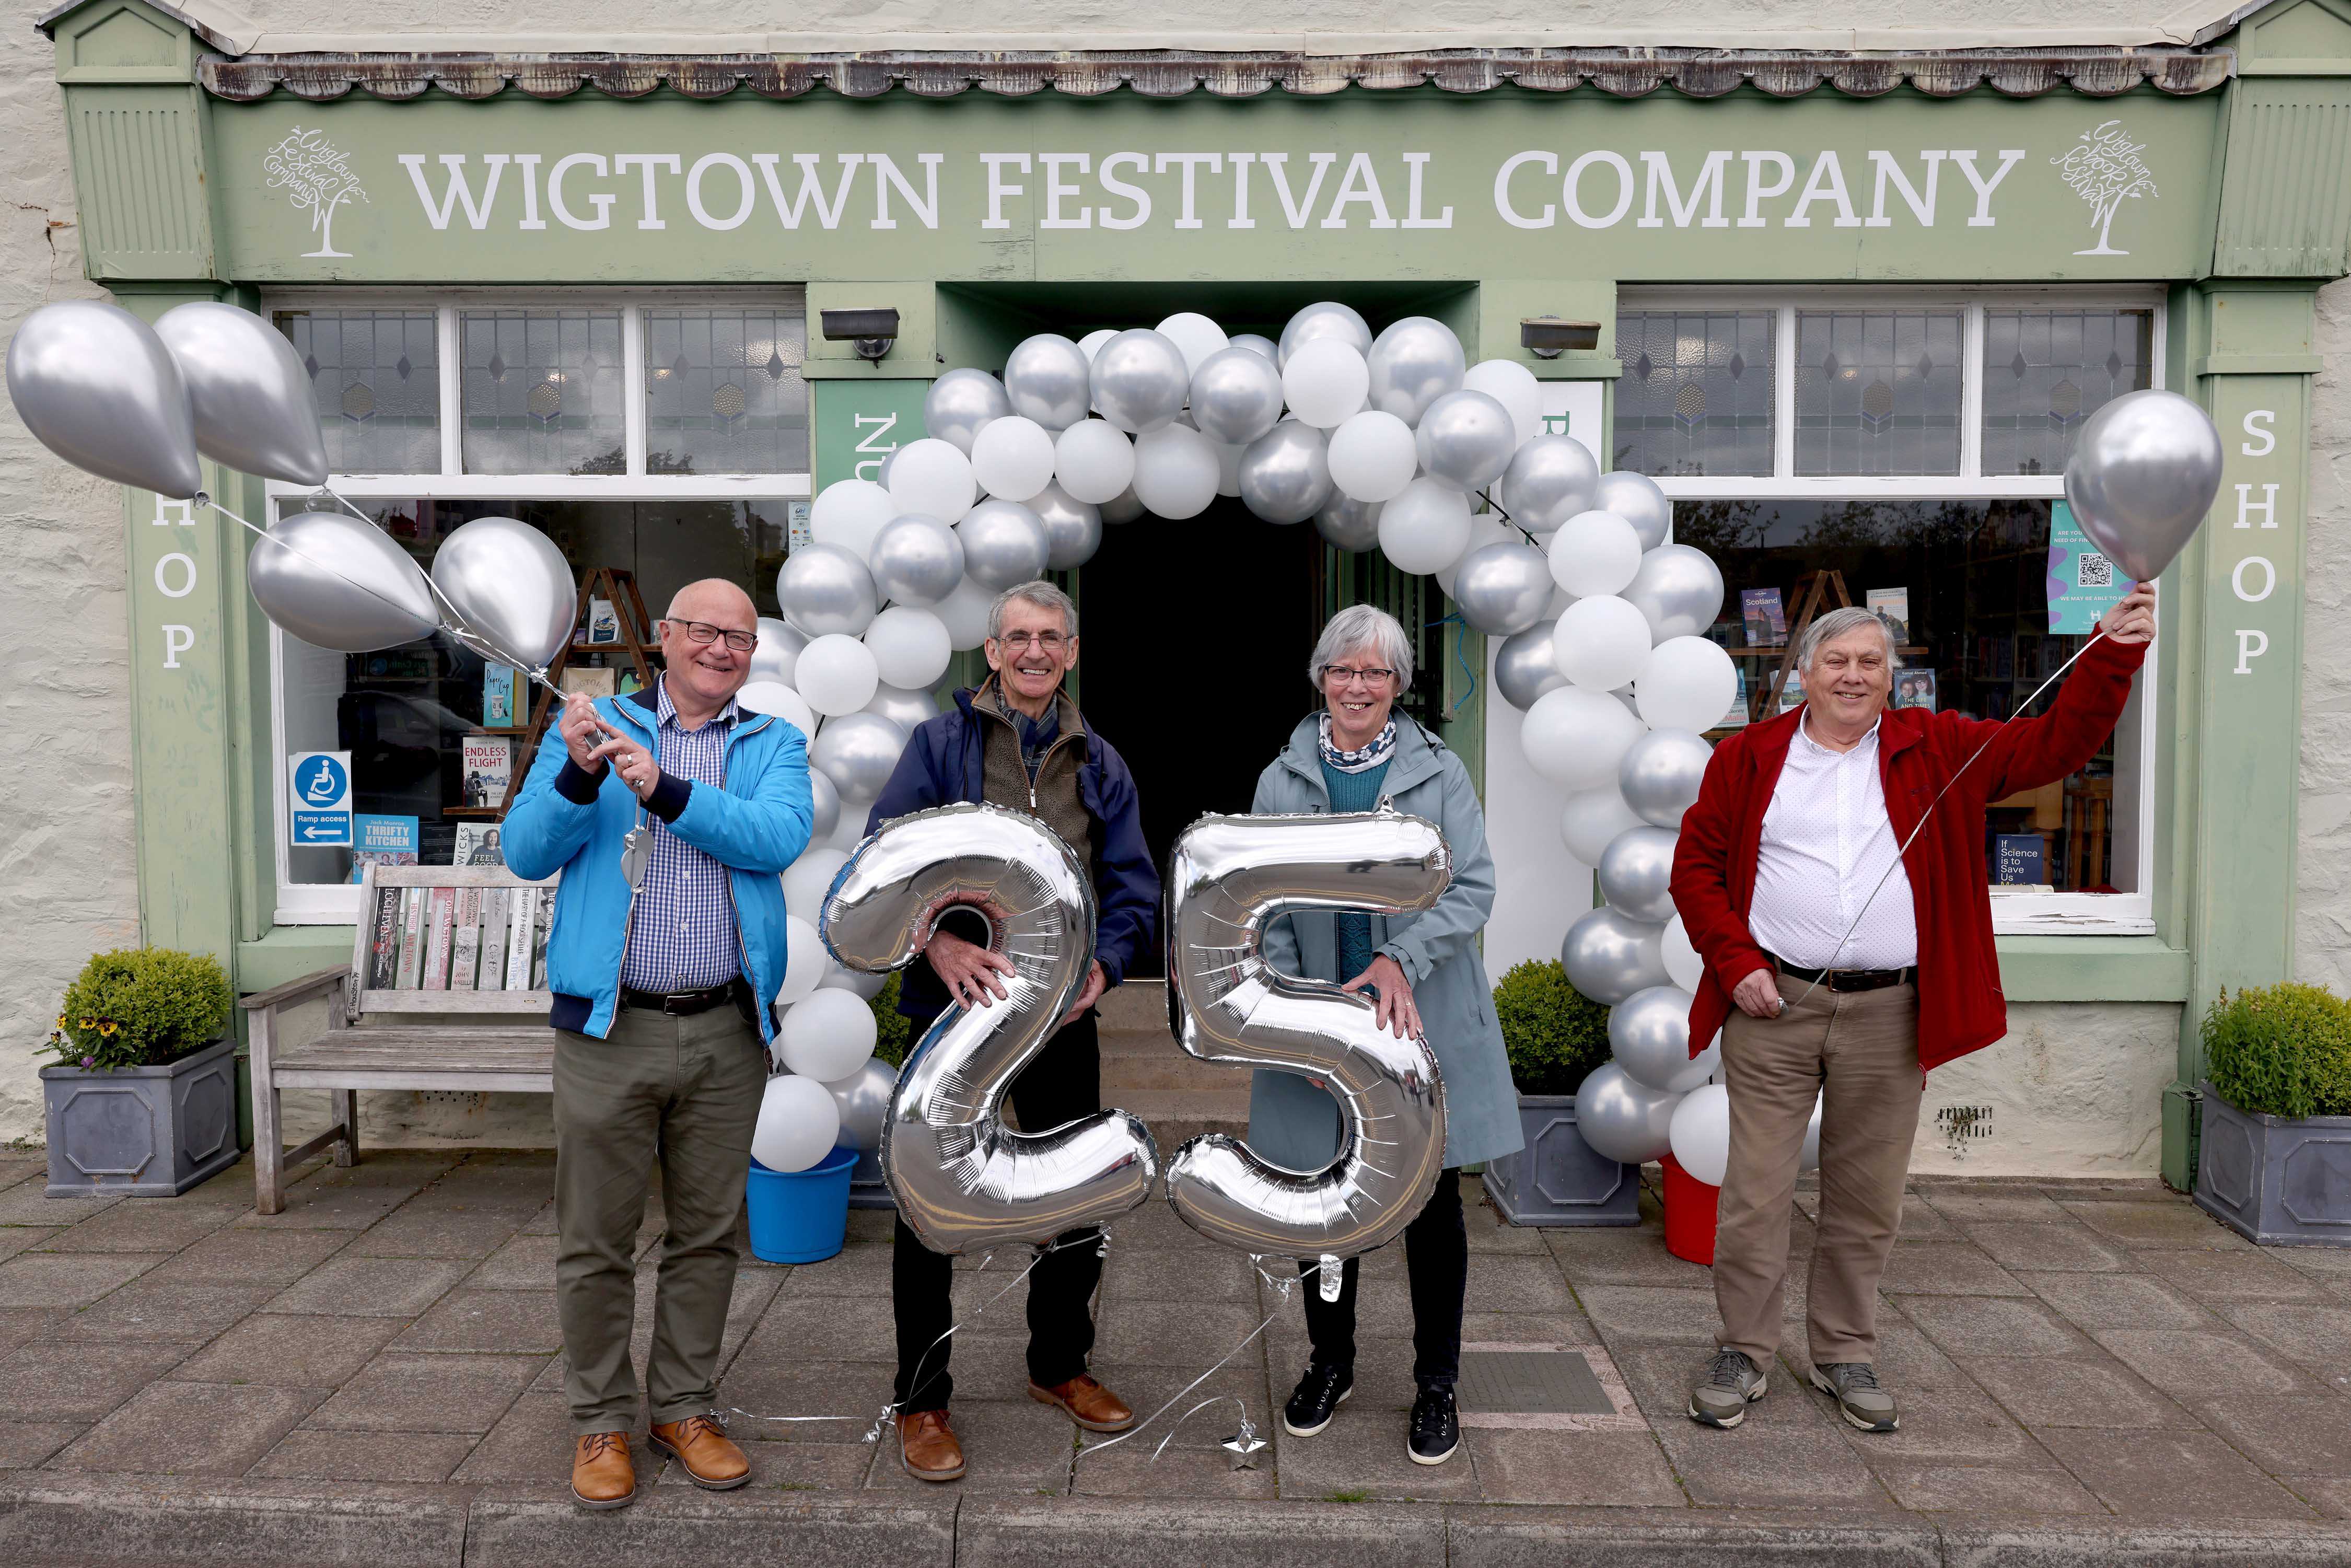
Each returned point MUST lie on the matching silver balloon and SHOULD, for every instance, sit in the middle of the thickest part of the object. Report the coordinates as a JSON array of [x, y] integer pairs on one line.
[[1637, 875], [864, 1098], [1635, 498], [1677, 590], [826, 800], [903, 706], [858, 751], [1465, 439], [1123, 507], [1524, 668], [1265, 348], [1140, 381], [915, 559], [2144, 473], [1661, 774], [826, 589], [1550, 480], [778, 651], [337, 582], [1608, 956], [1350, 524], [1648, 1034], [1503, 588], [1624, 1120], [1003, 543], [1226, 878], [1073, 530], [1326, 318], [959, 402], [1286, 473], [96, 387], [250, 394], [511, 587], [1236, 396], [962, 1179], [1046, 377], [1416, 361]]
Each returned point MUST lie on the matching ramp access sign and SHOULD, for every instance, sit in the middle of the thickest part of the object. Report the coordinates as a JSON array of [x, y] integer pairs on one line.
[[319, 800]]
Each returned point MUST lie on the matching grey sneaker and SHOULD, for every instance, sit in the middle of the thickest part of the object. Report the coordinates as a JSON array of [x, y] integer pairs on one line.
[[1859, 1399], [1731, 1384]]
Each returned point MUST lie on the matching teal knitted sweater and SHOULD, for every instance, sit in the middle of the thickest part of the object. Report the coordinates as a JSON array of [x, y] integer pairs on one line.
[[1354, 792]]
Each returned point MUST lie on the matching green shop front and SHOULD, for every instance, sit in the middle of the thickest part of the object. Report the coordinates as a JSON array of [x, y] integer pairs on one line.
[[1851, 312]]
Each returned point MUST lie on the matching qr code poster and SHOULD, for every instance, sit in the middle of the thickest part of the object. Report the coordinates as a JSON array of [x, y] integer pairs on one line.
[[2083, 582]]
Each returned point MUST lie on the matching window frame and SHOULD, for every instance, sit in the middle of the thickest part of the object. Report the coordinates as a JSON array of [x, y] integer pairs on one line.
[[2014, 913]]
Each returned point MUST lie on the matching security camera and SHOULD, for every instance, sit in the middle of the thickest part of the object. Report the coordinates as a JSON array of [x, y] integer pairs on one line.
[[869, 332]]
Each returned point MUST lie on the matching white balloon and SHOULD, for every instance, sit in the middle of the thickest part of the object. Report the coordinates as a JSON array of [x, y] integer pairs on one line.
[[858, 981], [1092, 341], [1229, 467], [849, 513], [1701, 1133], [827, 1037], [1592, 820], [1809, 1158], [798, 1121], [837, 675], [1599, 643], [1176, 471], [805, 961], [1012, 457], [807, 879], [1513, 386], [1426, 527], [1689, 683], [1093, 461], [777, 698], [1576, 738], [1594, 553], [1682, 961], [1194, 334], [1372, 458], [965, 613], [933, 478], [1325, 381], [910, 645]]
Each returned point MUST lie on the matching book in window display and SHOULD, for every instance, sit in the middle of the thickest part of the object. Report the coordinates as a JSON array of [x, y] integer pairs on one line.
[[1891, 605], [1737, 717], [478, 843], [541, 919], [589, 680], [466, 940], [484, 764], [1915, 688], [519, 920], [1766, 617], [604, 623], [378, 840], [499, 707], [496, 904], [414, 935], [441, 934]]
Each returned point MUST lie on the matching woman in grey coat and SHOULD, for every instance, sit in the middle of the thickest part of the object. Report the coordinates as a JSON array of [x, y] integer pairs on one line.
[[1424, 971]]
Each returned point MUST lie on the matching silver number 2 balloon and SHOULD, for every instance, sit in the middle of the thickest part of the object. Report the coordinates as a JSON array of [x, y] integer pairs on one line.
[[962, 1180], [1226, 878]]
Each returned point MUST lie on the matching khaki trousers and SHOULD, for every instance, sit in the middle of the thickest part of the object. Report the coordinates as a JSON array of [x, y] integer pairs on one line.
[[686, 1091], [1858, 1051]]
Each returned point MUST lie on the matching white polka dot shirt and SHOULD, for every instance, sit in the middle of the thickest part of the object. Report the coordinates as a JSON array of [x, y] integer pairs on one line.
[[1826, 841]]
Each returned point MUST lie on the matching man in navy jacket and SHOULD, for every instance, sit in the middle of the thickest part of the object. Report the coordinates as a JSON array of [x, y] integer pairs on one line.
[[1019, 742]]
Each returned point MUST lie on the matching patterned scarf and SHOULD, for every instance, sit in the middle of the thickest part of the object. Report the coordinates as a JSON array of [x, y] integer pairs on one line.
[[1376, 755]]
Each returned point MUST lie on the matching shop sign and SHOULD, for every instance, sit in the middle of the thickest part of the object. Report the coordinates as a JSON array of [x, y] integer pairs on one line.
[[318, 799]]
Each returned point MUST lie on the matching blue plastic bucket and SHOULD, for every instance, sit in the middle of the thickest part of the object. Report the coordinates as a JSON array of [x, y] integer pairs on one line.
[[799, 1217]]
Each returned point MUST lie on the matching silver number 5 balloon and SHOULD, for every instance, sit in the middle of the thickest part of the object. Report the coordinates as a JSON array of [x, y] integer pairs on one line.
[[1226, 878], [963, 1180]]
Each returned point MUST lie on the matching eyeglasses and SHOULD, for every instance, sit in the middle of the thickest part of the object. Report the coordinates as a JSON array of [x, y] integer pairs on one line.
[[702, 632], [1341, 674], [1046, 641]]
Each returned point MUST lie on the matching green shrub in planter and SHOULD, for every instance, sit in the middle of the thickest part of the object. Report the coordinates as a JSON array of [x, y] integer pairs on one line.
[[140, 1007], [1555, 1034], [890, 1027], [2281, 1051]]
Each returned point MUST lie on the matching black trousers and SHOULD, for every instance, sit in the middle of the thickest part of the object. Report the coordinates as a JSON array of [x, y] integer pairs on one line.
[[1437, 1261], [1063, 1083]]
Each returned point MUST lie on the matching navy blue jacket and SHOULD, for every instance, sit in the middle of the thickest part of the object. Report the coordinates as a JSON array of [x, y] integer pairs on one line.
[[943, 764]]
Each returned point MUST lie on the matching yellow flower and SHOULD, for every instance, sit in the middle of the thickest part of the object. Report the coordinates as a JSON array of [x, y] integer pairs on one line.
[[105, 1028], [89, 1023]]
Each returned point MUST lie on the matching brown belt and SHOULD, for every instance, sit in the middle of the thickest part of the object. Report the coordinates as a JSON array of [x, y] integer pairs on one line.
[[1843, 980], [679, 1004]]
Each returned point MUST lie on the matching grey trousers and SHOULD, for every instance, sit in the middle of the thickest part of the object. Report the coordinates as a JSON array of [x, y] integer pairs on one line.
[[684, 1091], [1859, 1051]]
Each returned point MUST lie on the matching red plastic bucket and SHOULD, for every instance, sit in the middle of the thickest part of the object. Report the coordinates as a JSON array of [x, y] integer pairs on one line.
[[1690, 1209]]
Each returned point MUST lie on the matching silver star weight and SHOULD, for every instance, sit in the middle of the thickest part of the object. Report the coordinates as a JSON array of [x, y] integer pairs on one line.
[[1243, 1446]]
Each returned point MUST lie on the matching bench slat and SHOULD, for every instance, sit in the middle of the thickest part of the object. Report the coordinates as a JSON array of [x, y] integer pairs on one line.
[[372, 1002], [512, 1082]]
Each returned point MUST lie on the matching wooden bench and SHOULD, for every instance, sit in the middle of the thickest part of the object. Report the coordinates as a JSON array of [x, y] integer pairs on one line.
[[390, 1026]]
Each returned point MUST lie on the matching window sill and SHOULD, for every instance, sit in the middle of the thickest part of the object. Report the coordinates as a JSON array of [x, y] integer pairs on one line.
[[2084, 969], [289, 951]]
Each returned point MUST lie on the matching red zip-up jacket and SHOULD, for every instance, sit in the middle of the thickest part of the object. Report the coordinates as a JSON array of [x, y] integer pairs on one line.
[[1960, 1007]]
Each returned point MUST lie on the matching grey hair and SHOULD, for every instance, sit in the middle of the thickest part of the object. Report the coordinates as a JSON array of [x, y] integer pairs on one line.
[[1836, 623], [1362, 626], [1041, 594]]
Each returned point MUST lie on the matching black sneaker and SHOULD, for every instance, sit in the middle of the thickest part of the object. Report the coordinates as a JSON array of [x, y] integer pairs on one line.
[[1316, 1398], [1435, 1428]]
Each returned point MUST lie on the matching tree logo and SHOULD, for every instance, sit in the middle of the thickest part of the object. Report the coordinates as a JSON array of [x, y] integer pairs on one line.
[[316, 178], [2104, 169]]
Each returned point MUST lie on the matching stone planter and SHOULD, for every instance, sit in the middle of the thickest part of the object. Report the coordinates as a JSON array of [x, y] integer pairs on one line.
[[149, 1132], [2278, 1181], [1557, 1178]]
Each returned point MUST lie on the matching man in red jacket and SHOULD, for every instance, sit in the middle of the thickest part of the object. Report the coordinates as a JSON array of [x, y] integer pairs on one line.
[[1821, 990]]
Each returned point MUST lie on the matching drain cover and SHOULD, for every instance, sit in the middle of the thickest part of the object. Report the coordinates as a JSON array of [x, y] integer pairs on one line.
[[1531, 1383]]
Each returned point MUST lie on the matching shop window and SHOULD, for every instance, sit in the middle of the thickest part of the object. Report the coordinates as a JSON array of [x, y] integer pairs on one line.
[[1879, 391], [2045, 371], [542, 391], [375, 380], [1697, 393], [724, 393]]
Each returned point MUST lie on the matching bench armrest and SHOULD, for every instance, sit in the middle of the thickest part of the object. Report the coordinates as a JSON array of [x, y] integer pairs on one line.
[[293, 992]]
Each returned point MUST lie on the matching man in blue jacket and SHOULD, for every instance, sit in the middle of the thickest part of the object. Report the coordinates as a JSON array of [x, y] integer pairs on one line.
[[671, 814], [1019, 741]]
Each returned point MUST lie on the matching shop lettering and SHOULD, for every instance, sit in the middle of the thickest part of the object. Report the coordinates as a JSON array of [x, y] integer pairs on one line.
[[2259, 424], [177, 639], [1129, 190]]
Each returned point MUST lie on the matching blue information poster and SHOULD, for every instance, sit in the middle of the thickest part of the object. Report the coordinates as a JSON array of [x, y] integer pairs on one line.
[[2082, 583]]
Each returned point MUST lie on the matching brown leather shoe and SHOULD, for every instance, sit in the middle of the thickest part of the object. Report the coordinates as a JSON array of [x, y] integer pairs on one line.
[[710, 1458], [929, 1446], [601, 1475], [1087, 1403]]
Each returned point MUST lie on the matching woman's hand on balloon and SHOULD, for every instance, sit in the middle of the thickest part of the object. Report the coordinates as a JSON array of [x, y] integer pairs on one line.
[[2132, 620], [969, 970], [1758, 995], [1089, 994], [1396, 1013]]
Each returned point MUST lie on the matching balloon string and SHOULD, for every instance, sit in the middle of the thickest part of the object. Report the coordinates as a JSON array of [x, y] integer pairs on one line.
[[1487, 496], [1460, 626], [1281, 1288]]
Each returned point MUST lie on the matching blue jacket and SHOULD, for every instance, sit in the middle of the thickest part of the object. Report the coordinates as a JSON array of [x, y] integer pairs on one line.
[[944, 763], [571, 821]]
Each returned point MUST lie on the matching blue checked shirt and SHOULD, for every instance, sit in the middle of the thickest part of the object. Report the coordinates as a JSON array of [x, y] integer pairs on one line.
[[681, 934]]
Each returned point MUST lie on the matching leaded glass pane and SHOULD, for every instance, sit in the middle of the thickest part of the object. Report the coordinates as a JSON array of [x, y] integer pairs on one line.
[[375, 380], [1877, 391], [542, 393], [2045, 371], [724, 393], [1696, 394]]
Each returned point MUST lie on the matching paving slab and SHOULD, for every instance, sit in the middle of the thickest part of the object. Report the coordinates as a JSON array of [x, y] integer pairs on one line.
[[148, 1309], [290, 1350], [314, 1206], [347, 1286], [46, 1380], [238, 1256], [2053, 1391], [2172, 1475], [531, 1447], [1641, 1314], [2058, 1243], [524, 1262], [1616, 1470], [70, 1279], [1952, 1425], [2284, 1432], [2194, 1365], [1986, 1488], [191, 1430], [853, 1392], [1946, 1268], [2168, 1224], [2117, 1301], [2313, 1337], [2213, 1277], [463, 1320], [1993, 1325], [421, 1230], [310, 1454], [65, 1518], [1009, 1445], [25, 1204], [409, 1393], [1176, 1333], [150, 1224], [23, 1444], [689, 1524]]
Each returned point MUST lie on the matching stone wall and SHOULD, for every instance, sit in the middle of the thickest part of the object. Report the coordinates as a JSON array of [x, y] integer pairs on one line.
[[2322, 910], [2073, 1089]]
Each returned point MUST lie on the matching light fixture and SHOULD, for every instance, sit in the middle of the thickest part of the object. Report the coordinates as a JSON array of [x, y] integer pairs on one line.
[[870, 332], [1547, 336]]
